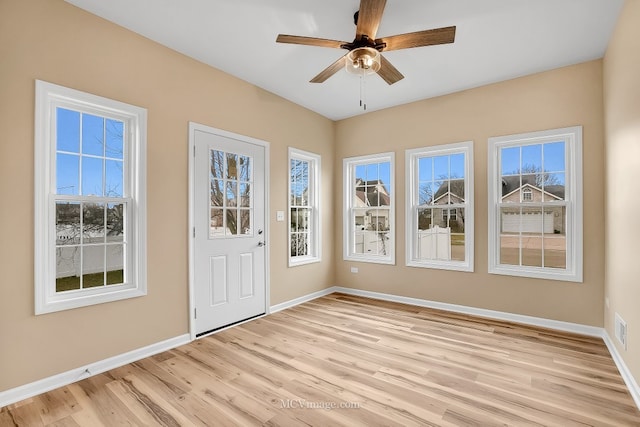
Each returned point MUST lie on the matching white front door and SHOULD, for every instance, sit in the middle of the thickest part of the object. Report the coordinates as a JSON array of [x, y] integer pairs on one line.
[[229, 277]]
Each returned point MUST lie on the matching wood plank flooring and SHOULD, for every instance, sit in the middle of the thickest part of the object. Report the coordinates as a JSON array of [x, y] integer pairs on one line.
[[344, 360]]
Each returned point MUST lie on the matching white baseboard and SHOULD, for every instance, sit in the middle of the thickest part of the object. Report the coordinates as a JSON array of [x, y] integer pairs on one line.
[[60, 380], [631, 383], [300, 300], [481, 312]]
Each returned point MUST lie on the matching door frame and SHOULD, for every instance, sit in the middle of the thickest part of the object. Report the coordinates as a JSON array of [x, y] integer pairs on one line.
[[193, 127]]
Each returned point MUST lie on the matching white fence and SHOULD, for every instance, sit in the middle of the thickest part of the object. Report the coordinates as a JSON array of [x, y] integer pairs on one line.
[[435, 243]]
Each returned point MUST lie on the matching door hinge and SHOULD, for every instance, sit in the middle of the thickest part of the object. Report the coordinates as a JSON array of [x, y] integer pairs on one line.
[[194, 232], [195, 313], [194, 151]]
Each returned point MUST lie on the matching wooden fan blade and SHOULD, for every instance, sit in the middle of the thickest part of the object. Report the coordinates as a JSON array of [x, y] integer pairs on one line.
[[420, 38], [369, 17], [309, 41], [388, 72], [330, 70]]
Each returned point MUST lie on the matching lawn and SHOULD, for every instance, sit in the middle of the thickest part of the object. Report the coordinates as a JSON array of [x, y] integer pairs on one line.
[[71, 283]]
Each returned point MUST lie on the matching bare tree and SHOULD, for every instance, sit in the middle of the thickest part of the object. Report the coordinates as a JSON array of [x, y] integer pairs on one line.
[[542, 178]]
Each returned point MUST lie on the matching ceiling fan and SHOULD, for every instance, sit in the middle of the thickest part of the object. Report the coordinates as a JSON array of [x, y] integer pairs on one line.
[[363, 56]]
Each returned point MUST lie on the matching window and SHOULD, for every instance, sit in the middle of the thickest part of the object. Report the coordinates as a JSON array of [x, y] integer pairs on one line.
[[90, 199], [535, 204], [439, 185], [304, 207], [369, 226], [449, 215]]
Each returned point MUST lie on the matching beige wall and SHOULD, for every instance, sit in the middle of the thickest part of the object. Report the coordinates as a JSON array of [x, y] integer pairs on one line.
[[56, 42], [622, 243], [564, 97]]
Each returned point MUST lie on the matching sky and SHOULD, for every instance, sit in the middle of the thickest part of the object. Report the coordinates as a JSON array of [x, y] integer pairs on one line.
[[89, 154], [548, 157]]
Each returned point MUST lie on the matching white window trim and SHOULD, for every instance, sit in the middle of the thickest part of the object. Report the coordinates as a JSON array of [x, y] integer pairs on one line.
[[572, 136], [411, 164], [348, 169], [48, 97], [315, 252]]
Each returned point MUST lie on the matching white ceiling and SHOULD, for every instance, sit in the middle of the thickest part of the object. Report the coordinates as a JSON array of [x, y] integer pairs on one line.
[[495, 40]]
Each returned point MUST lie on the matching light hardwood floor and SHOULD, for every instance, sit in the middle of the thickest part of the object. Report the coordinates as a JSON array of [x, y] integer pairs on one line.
[[344, 360]]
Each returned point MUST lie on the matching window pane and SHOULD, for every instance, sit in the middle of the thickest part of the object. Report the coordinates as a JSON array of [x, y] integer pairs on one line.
[[114, 179], [359, 242], [457, 246], [67, 268], [361, 219], [93, 229], [217, 164], [92, 135], [456, 220], [510, 249], [217, 192], [245, 195], [456, 187], [441, 167], [554, 157], [531, 158], [510, 160], [232, 166], [299, 244], [91, 176], [457, 165], [245, 222], [217, 223], [372, 172], [425, 193], [67, 223], [532, 250], [67, 130], [441, 192], [232, 191], [93, 266], [554, 187], [424, 219], [245, 168], [115, 264], [115, 222], [425, 169], [510, 219], [115, 139], [67, 174], [555, 251], [232, 221], [361, 172]]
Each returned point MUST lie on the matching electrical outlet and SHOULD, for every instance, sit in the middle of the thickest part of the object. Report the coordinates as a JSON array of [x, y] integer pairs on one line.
[[279, 216], [354, 269], [621, 330]]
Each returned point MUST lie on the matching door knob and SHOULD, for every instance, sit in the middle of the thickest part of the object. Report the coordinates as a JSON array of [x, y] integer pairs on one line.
[[261, 243]]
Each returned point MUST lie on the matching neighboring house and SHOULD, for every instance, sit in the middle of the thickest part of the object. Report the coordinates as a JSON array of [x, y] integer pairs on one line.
[[450, 192], [531, 220], [369, 196]]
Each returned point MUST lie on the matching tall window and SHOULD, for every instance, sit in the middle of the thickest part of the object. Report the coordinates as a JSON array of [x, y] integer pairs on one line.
[[304, 207], [439, 185], [535, 204], [90, 199], [369, 225]]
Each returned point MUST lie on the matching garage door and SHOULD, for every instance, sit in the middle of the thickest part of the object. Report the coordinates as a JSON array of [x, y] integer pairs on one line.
[[513, 222]]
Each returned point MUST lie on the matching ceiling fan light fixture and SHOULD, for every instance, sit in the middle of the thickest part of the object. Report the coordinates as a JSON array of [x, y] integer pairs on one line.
[[363, 60]]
